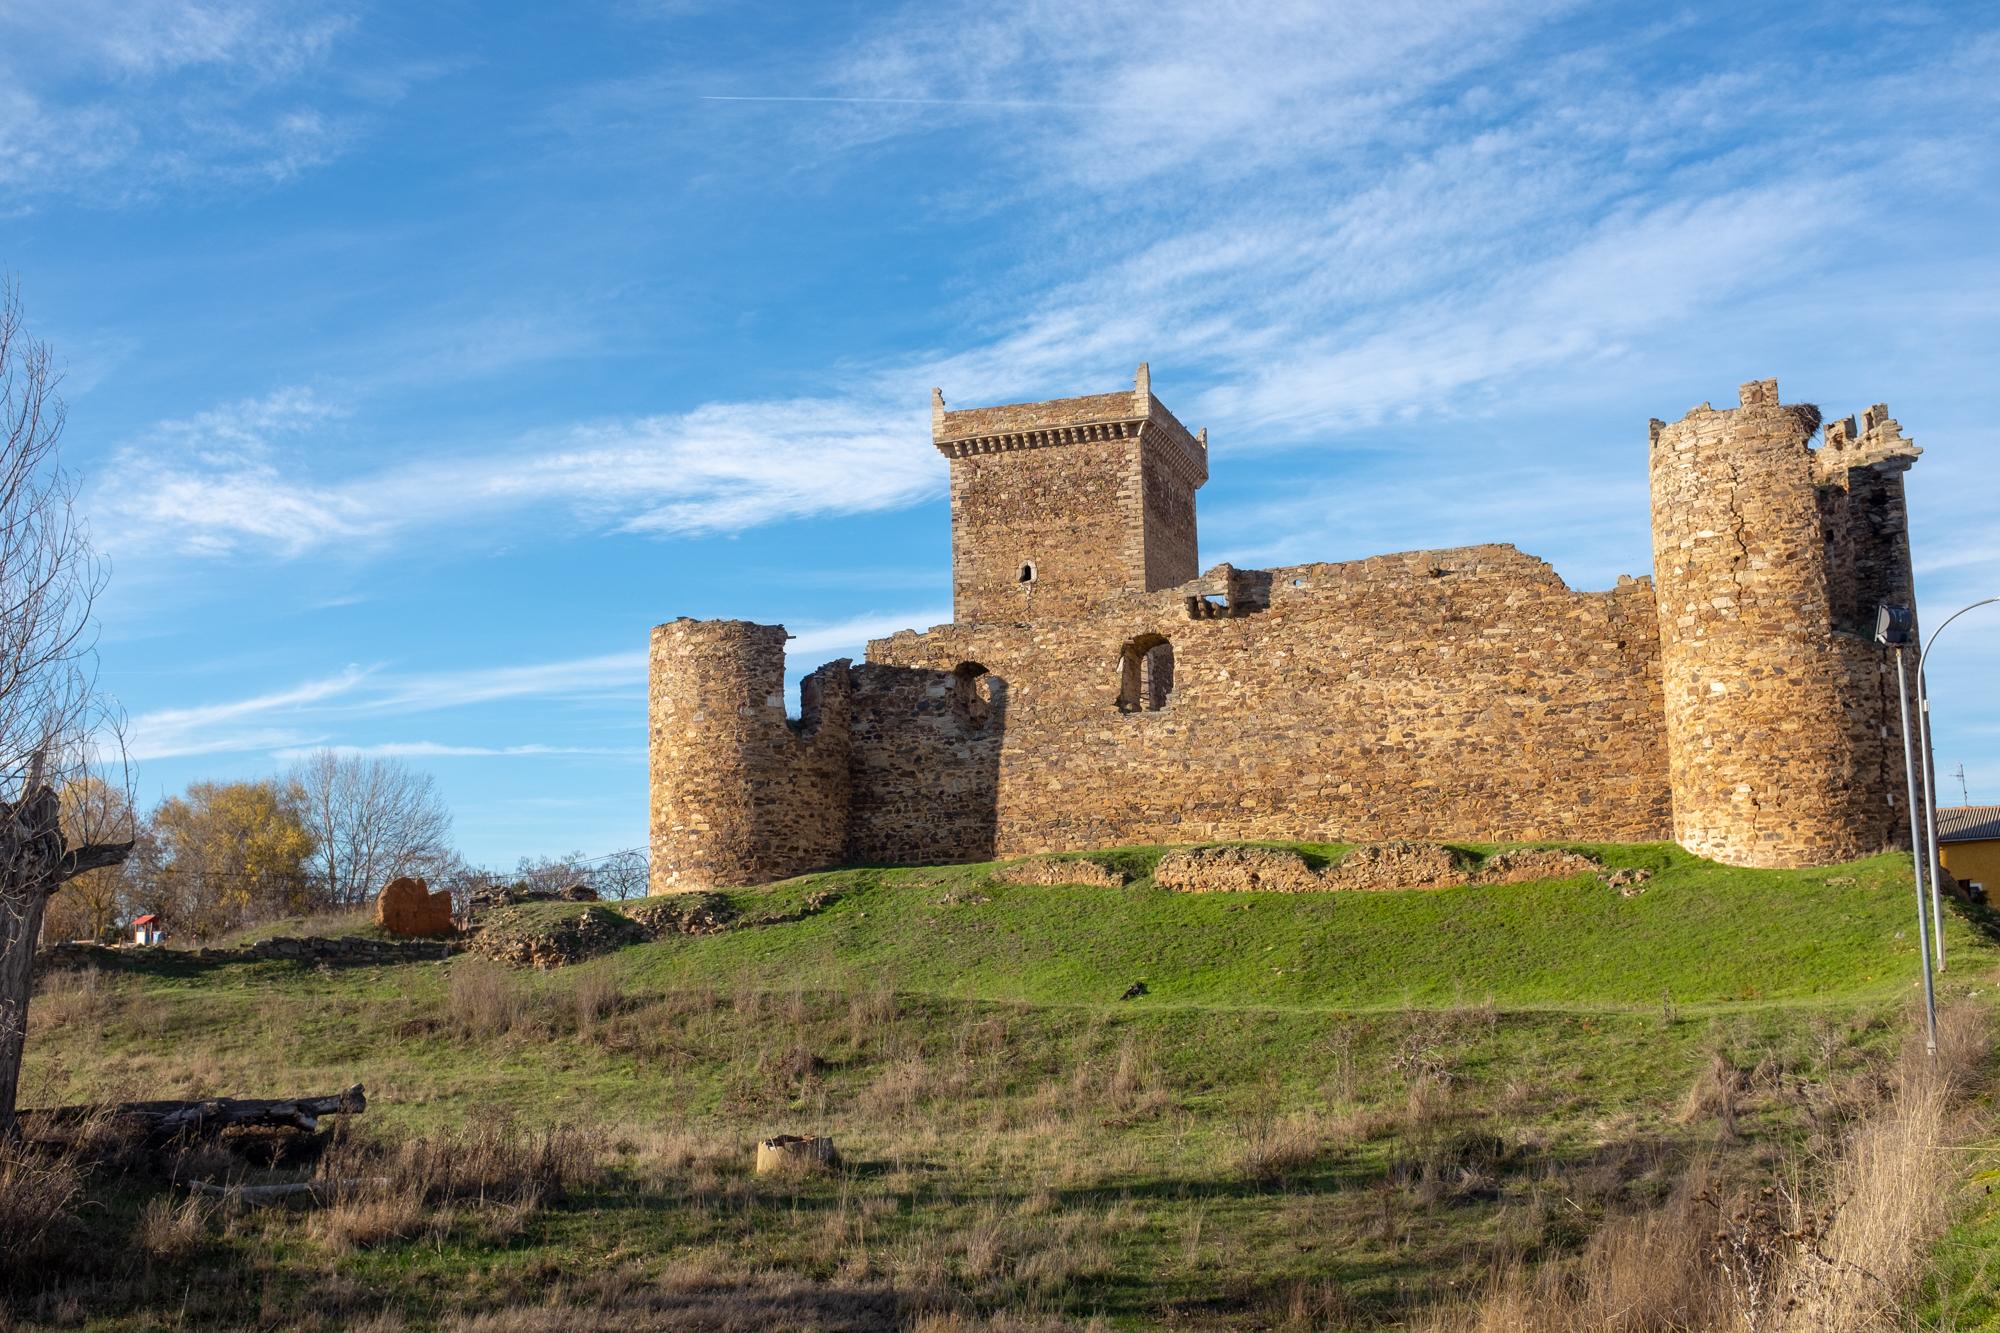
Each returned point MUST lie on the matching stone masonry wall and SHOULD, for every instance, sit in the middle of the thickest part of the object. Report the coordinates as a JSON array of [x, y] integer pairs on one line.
[[1094, 495], [1464, 693], [1778, 710], [926, 755], [1056, 510]]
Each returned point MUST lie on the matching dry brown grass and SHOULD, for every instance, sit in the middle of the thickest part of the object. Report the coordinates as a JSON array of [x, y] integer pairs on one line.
[[1894, 1186], [597, 996], [492, 1175], [38, 1190], [485, 1000], [1826, 1246], [68, 997], [1284, 1147], [170, 1230]]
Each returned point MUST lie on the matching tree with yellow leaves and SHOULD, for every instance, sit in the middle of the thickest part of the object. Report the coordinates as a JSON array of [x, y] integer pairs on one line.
[[227, 853]]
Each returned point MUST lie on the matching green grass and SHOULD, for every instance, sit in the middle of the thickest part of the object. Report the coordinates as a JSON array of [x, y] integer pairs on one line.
[[1701, 934], [1018, 1137]]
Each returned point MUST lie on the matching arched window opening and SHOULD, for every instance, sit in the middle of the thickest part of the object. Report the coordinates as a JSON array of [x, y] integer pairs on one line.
[[1027, 573], [973, 691], [1145, 674]]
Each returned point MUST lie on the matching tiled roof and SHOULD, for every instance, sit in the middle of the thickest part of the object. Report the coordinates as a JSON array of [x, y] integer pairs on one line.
[[1968, 823]]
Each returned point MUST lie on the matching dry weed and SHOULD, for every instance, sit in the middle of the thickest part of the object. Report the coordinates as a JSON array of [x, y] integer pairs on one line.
[[38, 1190], [70, 997], [485, 1000], [171, 1230], [1284, 1147]]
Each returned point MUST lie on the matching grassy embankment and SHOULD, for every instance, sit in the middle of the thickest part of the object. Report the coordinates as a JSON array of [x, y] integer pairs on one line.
[[1326, 1108]]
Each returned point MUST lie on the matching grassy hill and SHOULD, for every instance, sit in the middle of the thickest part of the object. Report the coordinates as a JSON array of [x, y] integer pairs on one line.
[[1699, 934], [1326, 1109]]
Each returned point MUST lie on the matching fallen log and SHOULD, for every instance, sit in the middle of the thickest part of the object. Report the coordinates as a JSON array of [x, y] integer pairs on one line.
[[166, 1120], [317, 1192]]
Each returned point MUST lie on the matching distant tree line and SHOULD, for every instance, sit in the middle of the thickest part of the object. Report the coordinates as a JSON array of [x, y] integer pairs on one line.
[[324, 836]]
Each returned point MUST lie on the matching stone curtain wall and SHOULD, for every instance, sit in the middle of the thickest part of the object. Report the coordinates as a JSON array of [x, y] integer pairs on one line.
[[1780, 712], [740, 794], [1463, 693]]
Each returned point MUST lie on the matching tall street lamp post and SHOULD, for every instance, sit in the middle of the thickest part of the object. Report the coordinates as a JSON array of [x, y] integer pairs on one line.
[[1893, 631], [1930, 782]]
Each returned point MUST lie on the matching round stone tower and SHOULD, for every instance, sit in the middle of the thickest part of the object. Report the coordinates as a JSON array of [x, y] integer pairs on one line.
[[1762, 743], [741, 794]]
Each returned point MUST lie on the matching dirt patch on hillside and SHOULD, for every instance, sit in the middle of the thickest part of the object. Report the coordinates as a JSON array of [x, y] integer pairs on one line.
[[684, 914], [544, 939]]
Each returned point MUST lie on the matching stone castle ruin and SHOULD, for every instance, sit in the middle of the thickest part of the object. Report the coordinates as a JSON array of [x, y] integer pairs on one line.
[[1096, 688]]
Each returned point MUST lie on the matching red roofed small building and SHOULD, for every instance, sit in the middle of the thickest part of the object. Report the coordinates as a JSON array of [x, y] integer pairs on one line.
[[148, 929]]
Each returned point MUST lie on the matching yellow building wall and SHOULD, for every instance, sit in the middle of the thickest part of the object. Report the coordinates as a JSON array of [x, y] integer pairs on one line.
[[1968, 861]]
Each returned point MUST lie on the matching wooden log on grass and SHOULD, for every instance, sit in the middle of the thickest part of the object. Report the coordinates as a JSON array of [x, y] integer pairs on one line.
[[313, 1192], [164, 1121]]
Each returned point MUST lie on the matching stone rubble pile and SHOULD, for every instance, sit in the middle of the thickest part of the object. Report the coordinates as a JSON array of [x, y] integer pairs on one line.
[[1372, 868]]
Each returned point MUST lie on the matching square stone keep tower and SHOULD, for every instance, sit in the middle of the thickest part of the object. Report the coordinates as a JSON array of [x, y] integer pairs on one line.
[[1056, 506]]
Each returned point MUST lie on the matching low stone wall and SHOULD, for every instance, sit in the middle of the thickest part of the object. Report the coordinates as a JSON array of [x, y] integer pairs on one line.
[[1396, 865], [1374, 868], [1060, 870], [1236, 870], [1535, 863], [346, 949]]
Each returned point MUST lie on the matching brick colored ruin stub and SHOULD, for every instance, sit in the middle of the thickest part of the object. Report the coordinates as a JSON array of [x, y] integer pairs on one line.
[[406, 907], [1096, 689]]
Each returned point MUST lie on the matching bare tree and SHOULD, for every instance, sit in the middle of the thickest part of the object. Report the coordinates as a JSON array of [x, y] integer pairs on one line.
[[623, 874], [374, 819], [52, 717], [620, 874]]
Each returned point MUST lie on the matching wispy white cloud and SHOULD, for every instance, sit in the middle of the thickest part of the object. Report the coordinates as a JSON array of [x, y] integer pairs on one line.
[[240, 478], [1317, 221], [320, 712], [111, 99], [238, 724], [438, 750]]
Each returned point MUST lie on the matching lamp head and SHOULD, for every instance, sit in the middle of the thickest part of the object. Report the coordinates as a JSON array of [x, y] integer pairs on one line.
[[1894, 625]]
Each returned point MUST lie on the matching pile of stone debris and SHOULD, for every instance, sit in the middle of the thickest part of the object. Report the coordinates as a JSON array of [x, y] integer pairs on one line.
[[512, 895], [1375, 867], [524, 935]]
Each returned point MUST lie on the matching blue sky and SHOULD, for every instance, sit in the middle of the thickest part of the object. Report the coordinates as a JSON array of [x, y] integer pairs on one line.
[[421, 357]]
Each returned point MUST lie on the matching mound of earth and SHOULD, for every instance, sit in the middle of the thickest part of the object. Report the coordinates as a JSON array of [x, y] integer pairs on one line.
[[548, 935], [523, 937], [1060, 870]]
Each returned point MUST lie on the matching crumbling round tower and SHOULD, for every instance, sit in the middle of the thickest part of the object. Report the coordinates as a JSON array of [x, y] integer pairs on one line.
[[741, 794], [1773, 719]]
